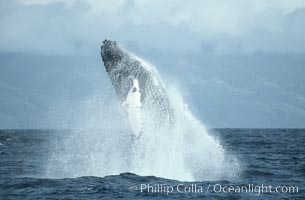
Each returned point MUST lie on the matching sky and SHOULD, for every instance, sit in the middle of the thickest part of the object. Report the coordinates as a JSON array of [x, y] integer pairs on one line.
[[238, 63]]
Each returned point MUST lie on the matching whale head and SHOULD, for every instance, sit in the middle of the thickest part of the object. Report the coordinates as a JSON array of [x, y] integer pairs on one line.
[[120, 66], [136, 84], [111, 54]]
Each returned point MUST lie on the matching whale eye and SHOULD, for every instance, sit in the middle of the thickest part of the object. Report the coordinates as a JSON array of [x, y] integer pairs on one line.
[[134, 89]]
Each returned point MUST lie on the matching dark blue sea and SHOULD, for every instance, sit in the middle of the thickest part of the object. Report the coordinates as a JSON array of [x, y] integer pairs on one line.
[[273, 167]]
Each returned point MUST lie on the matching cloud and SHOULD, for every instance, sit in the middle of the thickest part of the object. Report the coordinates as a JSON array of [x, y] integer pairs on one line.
[[220, 27]]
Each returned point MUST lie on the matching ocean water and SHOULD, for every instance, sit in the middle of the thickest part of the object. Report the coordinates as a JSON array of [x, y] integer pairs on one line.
[[272, 166]]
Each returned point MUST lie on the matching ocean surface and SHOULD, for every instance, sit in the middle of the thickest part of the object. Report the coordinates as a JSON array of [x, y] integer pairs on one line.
[[272, 162]]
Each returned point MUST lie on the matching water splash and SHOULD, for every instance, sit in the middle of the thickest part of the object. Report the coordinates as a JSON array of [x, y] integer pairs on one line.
[[156, 134]]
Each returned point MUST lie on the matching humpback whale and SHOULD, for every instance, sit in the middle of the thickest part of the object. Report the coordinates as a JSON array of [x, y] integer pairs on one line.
[[162, 137], [138, 87], [170, 141]]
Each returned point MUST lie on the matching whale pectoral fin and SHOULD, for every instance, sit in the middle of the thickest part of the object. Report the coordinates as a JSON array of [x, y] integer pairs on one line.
[[133, 108]]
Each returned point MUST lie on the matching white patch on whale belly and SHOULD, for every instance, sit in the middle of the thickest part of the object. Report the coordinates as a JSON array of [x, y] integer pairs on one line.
[[133, 108]]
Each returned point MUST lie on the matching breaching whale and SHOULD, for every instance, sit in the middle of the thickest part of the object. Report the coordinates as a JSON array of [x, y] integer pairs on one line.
[[170, 141], [138, 87]]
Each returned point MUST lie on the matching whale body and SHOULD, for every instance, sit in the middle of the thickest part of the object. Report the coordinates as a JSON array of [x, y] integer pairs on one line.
[[170, 141], [138, 87]]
